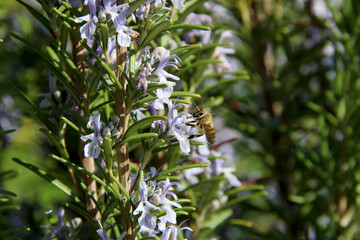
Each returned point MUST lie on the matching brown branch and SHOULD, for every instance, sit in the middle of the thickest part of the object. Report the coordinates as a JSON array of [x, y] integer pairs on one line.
[[87, 163], [122, 154]]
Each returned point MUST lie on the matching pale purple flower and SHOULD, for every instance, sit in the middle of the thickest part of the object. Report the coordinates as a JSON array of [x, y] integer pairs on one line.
[[121, 17], [124, 32], [88, 29], [190, 175], [320, 10], [159, 123], [52, 88], [124, 35], [179, 4], [167, 205], [165, 59], [59, 228], [221, 53], [93, 149], [198, 19], [147, 221], [219, 169], [178, 127], [174, 231], [111, 48], [143, 11], [139, 114], [216, 168], [142, 80], [111, 9], [102, 232]]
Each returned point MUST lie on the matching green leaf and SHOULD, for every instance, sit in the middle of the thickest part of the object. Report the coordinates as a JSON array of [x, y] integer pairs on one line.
[[8, 174], [241, 222], [198, 63], [144, 100], [60, 74], [82, 212], [44, 21], [103, 64], [179, 100], [56, 141], [81, 121], [315, 107], [104, 30], [135, 145], [180, 212], [186, 209], [109, 208], [109, 187], [222, 82], [6, 192], [57, 183], [135, 4], [241, 199], [123, 191], [140, 124], [28, 100], [341, 108], [205, 182], [185, 94], [7, 132], [185, 48], [154, 32], [73, 126], [215, 75], [189, 9], [71, 65], [4, 208], [64, 16], [14, 230], [89, 194], [72, 9], [244, 188], [151, 88], [188, 26], [183, 200], [167, 172], [64, 36], [217, 218], [108, 152], [156, 144], [133, 138]]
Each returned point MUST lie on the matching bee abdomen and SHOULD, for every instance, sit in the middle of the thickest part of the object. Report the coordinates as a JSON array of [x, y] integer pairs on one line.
[[210, 133]]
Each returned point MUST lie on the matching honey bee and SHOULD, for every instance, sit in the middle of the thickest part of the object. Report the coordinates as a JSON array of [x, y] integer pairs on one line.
[[203, 119]]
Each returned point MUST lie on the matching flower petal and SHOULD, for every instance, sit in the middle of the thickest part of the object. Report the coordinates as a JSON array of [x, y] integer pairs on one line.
[[179, 4], [92, 149]]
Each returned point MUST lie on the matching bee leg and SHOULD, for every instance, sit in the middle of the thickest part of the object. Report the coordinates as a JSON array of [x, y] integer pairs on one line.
[[192, 124], [195, 136]]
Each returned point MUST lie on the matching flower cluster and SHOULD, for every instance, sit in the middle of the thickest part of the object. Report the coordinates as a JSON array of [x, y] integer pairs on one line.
[[149, 88], [154, 64], [107, 11], [101, 130], [144, 10], [218, 165], [153, 196]]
